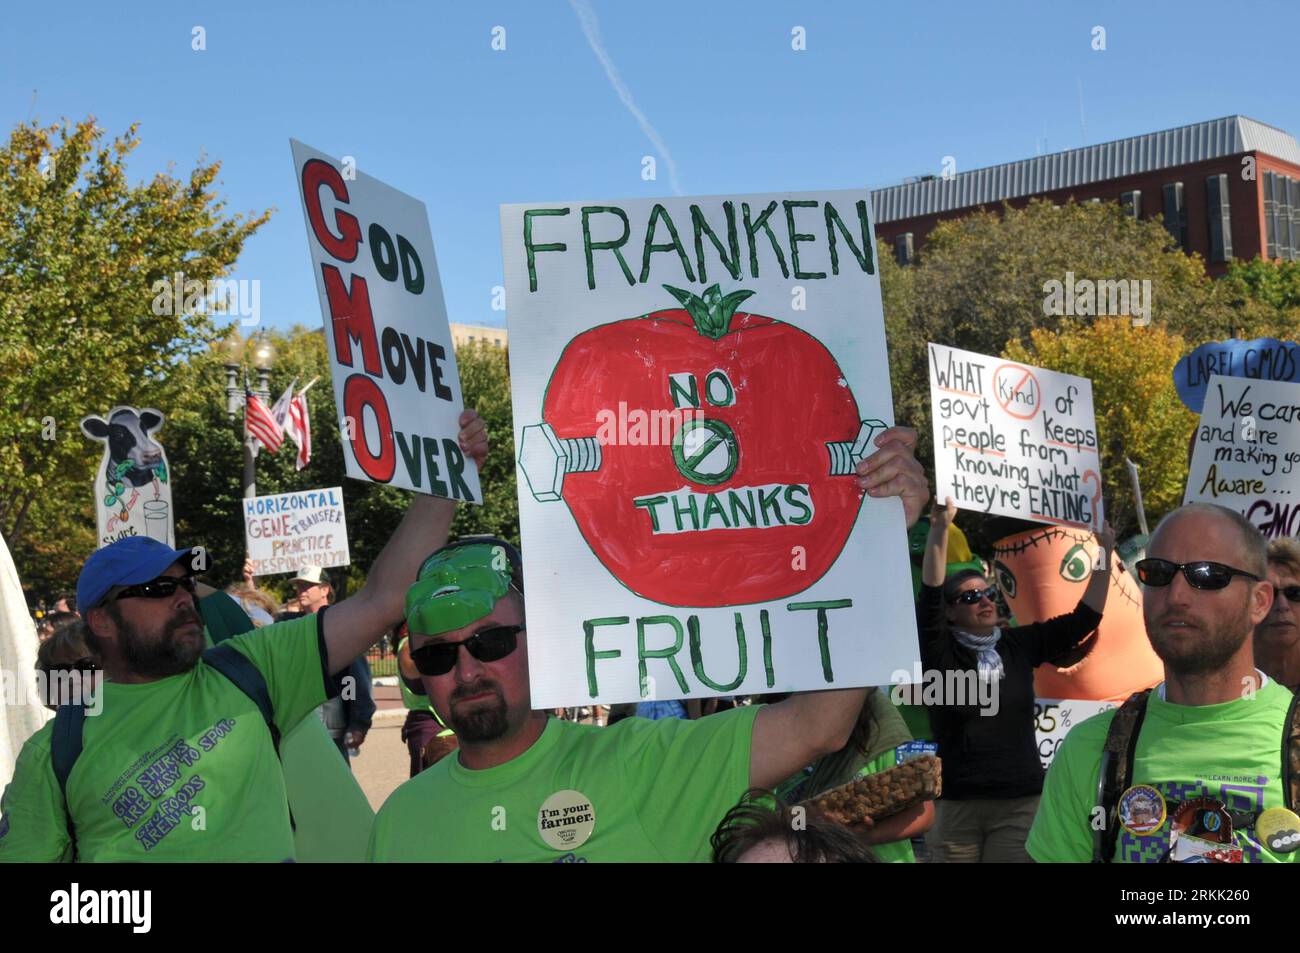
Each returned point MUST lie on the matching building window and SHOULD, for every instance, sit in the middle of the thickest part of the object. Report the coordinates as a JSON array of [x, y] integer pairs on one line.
[[1175, 213], [1132, 202], [1282, 216], [1220, 220], [1293, 189], [1270, 211], [903, 250]]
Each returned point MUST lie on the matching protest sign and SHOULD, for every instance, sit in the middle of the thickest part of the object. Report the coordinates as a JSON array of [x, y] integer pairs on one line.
[[1013, 439], [1261, 359], [1246, 451], [694, 381], [1053, 719], [133, 495], [396, 384], [290, 531]]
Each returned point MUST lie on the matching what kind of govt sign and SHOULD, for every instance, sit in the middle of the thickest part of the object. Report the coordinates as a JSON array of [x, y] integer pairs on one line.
[[1014, 440], [694, 381], [1247, 452], [396, 384]]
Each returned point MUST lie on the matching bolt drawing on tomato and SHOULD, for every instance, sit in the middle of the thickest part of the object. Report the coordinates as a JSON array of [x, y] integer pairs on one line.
[[742, 489]]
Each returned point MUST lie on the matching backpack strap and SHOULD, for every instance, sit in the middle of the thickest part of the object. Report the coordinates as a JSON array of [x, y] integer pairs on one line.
[[65, 748], [1291, 754], [233, 664], [1116, 772]]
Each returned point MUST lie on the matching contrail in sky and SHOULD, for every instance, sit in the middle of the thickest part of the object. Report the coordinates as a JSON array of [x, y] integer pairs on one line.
[[591, 27]]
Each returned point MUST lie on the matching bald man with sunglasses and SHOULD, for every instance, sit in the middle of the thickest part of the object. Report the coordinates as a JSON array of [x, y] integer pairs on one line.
[[525, 786], [180, 764], [1207, 742]]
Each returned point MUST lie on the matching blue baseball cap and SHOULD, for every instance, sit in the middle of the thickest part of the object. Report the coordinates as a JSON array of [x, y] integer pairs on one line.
[[127, 562]]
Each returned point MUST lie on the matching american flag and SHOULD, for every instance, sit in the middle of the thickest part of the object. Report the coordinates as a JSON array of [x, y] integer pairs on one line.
[[290, 413], [260, 422]]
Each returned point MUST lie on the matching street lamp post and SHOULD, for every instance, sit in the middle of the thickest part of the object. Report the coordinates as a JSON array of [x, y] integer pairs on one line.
[[263, 354]]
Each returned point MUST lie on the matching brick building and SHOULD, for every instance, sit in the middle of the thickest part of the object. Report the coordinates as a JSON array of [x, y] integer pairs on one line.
[[1228, 188]]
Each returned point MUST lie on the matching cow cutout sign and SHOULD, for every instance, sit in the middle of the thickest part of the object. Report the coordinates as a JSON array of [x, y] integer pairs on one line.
[[133, 495], [694, 381]]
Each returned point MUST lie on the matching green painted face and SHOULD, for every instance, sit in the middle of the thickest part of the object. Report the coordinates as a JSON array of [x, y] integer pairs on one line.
[[457, 586]]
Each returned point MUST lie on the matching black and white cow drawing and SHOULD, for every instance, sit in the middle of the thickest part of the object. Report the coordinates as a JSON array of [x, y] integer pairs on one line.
[[126, 432]]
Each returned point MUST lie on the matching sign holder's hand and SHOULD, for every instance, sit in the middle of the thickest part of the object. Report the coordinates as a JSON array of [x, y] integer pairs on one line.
[[474, 436], [893, 470]]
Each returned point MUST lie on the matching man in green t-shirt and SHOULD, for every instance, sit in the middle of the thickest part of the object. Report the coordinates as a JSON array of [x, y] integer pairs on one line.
[[525, 786], [178, 762], [1208, 751]]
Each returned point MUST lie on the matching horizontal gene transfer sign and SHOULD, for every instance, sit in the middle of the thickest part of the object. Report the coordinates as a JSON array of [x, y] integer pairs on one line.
[[694, 380], [396, 384], [1013, 439], [290, 531], [1247, 452]]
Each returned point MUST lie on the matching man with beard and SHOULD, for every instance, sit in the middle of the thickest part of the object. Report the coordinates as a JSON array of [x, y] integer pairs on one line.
[[180, 762], [525, 786], [1277, 638], [1206, 744]]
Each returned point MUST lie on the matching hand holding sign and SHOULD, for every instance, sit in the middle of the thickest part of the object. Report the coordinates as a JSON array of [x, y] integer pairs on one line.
[[893, 470]]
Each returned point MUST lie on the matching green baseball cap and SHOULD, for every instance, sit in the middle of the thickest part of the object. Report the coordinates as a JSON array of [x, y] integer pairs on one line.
[[461, 582]]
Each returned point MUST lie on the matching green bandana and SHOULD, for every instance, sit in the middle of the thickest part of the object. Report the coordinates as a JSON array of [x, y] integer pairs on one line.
[[456, 586]]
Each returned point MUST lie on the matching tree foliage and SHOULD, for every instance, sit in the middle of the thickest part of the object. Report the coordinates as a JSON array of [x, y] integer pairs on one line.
[[80, 250]]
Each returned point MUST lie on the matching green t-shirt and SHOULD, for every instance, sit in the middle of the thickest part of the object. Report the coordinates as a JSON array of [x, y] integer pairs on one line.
[[1231, 752], [159, 750], [655, 790]]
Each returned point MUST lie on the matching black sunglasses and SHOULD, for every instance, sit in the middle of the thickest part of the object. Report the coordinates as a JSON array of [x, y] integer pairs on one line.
[[1199, 575], [1292, 593], [486, 645], [159, 588], [971, 596]]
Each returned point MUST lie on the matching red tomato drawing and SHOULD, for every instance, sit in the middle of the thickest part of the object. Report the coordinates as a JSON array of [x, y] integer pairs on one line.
[[788, 400]]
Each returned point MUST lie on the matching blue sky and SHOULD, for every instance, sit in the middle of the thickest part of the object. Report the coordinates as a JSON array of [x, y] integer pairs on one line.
[[417, 94]]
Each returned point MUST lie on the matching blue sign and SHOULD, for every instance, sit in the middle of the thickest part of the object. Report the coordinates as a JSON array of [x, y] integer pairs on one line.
[[1266, 359]]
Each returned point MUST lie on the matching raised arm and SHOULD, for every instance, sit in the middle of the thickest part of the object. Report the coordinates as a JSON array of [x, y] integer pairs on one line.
[[357, 623], [1094, 597], [1055, 640], [934, 563], [797, 731]]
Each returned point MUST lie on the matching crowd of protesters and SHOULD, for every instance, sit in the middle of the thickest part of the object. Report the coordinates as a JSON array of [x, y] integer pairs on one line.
[[732, 780]]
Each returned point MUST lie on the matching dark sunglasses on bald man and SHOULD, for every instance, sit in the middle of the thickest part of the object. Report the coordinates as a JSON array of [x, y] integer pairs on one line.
[[159, 588], [486, 645], [972, 596], [1199, 575]]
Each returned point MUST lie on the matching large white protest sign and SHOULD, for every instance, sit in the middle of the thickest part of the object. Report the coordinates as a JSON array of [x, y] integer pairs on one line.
[[290, 531], [694, 380], [1013, 439], [396, 384], [133, 495], [1247, 452]]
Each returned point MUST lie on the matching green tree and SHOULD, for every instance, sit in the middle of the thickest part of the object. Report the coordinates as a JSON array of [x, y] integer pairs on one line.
[[81, 248], [207, 459]]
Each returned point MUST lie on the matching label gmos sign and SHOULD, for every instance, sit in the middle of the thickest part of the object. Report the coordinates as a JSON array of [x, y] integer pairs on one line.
[[396, 384], [694, 381]]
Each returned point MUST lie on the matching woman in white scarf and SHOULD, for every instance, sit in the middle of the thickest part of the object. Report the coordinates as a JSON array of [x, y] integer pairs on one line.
[[984, 722]]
